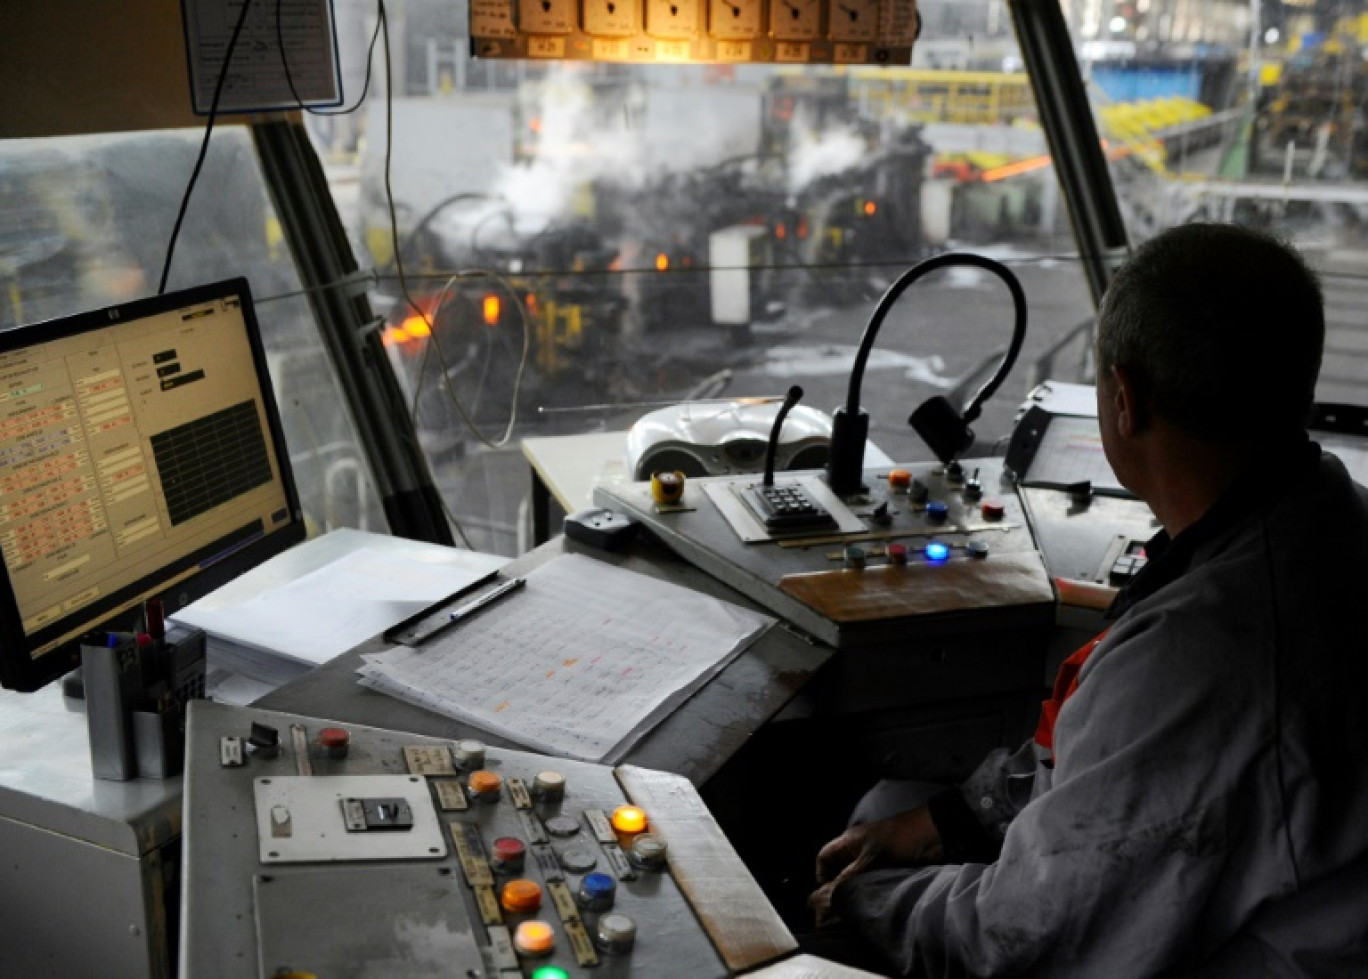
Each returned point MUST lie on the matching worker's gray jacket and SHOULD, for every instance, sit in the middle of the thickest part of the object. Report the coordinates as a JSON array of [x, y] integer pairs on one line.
[[1207, 806]]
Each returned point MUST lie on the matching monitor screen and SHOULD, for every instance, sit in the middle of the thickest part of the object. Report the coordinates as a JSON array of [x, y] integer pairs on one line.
[[141, 456]]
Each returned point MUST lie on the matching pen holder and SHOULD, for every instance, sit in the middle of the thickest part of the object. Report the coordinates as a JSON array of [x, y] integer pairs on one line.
[[136, 699]]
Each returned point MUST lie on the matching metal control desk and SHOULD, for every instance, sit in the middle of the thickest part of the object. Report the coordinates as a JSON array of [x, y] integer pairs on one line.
[[90, 869]]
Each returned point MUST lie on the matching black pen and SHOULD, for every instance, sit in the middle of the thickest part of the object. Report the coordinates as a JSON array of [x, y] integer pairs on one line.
[[487, 599]]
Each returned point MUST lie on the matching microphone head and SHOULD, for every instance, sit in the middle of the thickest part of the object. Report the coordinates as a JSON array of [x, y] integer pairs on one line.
[[942, 428]]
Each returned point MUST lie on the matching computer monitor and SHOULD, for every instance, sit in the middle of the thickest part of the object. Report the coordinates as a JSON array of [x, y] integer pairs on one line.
[[141, 456]]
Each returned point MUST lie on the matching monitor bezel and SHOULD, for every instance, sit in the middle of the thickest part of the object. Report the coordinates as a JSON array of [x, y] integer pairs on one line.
[[19, 669]]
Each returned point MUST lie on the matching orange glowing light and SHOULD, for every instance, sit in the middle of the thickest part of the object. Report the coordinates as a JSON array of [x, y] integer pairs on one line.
[[780, 232], [416, 326], [492, 307], [869, 208], [662, 262], [629, 819], [395, 335], [1014, 169], [534, 938]]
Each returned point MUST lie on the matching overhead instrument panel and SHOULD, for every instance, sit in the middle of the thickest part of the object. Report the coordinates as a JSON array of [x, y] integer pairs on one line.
[[696, 31]]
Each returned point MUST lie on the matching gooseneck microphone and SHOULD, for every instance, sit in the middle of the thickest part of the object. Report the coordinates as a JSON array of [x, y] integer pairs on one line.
[[944, 428], [772, 449]]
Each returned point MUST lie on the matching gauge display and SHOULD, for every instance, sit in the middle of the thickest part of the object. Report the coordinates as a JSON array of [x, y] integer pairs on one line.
[[674, 19], [610, 18], [854, 20], [734, 19], [796, 20]]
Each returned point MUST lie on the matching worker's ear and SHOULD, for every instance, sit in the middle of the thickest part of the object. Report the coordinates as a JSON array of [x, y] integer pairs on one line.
[[1127, 406]]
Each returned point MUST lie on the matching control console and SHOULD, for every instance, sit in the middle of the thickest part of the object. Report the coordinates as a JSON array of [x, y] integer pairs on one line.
[[314, 847]]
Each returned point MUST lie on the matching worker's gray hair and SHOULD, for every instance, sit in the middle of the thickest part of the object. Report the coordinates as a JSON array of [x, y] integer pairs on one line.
[[1221, 327]]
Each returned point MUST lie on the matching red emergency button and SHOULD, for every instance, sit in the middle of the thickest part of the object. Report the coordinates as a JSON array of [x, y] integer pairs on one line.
[[335, 741], [993, 510]]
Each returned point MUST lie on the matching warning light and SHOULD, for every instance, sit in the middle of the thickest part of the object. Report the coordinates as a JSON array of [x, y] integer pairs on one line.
[[550, 972], [662, 262], [870, 208], [534, 938], [629, 819], [936, 552], [780, 231], [491, 308]]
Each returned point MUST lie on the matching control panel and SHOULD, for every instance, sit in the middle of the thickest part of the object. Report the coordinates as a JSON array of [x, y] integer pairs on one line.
[[918, 542], [313, 848], [697, 31]]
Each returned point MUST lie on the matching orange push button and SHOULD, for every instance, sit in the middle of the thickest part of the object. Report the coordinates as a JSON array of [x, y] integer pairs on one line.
[[521, 896], [484, 785]]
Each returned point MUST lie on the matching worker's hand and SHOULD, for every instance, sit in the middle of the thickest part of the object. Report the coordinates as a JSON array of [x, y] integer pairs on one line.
[[908, 839]]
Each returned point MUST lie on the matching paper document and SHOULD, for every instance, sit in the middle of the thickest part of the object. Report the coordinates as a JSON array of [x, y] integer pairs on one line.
[[328, 611], [579, 663]]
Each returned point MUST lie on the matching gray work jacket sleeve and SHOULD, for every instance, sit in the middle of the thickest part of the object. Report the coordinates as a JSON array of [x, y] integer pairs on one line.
[[1093, 870]]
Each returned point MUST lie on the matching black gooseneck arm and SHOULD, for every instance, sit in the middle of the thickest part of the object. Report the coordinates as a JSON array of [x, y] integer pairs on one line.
[[944, 429], [790, 399]]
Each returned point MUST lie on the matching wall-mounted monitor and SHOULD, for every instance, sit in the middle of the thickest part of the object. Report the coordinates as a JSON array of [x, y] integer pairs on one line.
[[141, 456]]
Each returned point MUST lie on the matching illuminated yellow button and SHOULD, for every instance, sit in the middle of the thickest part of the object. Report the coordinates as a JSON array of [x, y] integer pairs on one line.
[[485, 785], [629, 819], [534, 938], [521, 896]]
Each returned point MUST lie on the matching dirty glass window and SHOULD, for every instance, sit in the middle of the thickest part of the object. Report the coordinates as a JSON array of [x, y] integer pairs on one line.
[[629, 237], [85, 222], [1252, 113]]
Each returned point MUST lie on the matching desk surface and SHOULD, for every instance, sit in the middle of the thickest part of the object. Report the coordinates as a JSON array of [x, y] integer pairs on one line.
[[695, 741]]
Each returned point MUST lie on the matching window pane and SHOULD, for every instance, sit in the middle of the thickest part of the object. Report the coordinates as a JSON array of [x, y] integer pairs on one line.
[[1251, 113], [678, 232], [85, 222]]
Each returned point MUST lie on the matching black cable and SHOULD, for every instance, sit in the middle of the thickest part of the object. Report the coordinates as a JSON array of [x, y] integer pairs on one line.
[[289, 76], [204, 145]]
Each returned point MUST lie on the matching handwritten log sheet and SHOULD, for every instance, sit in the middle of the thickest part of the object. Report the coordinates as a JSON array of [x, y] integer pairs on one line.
[[580, 663]]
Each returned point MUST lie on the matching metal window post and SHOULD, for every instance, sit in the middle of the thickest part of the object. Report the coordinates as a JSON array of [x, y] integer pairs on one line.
[[325, 261]]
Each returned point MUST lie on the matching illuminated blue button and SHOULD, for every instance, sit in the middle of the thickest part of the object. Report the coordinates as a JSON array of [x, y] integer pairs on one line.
[[936, 552], [597, 892], [937, 511]]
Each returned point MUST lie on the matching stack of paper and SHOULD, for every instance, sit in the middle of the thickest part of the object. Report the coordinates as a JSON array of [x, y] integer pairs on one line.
[[280, 620], [579, 663]]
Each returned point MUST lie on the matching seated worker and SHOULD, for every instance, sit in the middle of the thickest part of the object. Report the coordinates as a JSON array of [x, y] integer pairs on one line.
[[1195, 799]]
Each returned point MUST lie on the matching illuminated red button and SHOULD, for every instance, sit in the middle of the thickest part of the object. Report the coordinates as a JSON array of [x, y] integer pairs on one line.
[[993, 510], [521, 896], [508, 853], [534, 938]]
